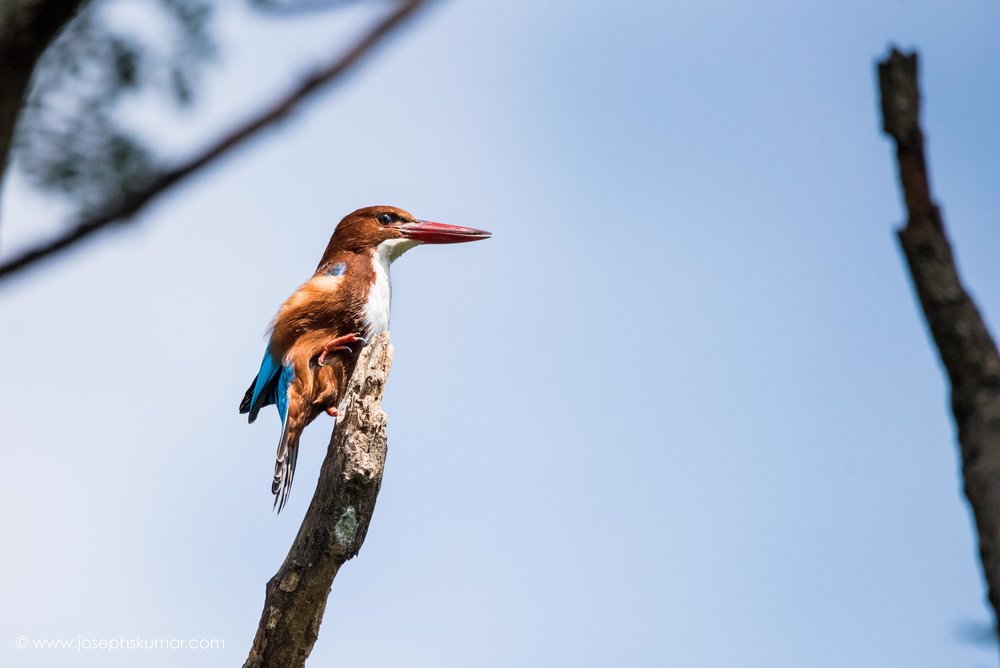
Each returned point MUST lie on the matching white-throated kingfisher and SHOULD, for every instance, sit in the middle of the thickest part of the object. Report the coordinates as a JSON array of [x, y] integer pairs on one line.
[[318, 332]]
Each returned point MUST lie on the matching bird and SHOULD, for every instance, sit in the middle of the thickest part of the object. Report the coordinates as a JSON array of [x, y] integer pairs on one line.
[[318, 332]]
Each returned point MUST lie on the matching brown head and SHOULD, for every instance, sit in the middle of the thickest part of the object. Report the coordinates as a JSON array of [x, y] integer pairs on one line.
[[366, 229]]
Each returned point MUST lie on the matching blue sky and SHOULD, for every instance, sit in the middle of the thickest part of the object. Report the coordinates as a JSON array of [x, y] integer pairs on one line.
[[681, 410]]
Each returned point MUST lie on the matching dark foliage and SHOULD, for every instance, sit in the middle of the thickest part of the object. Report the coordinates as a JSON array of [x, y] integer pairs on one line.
[[71, 138]]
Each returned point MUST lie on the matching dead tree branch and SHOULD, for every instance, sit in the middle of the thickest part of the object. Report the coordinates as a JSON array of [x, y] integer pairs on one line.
[[335, 524], [963, 341], [132, 202]]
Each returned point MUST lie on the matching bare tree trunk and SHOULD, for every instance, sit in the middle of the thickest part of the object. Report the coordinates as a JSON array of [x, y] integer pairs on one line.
[[27, 27], [962, 338], [335, 524]]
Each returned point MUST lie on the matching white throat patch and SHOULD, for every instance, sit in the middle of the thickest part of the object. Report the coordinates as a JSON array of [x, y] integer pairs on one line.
[[377, 307]]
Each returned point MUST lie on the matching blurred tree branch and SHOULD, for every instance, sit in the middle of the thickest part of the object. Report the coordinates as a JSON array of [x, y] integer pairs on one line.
[[133, 199], [27, 27], [963, 341], [296, 7], [336, 522]]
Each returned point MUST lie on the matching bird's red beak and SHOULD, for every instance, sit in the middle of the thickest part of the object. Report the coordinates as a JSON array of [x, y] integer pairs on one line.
[[439, 233]]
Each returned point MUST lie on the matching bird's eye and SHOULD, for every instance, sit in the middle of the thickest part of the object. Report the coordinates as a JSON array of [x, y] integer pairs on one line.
[[385, 218]]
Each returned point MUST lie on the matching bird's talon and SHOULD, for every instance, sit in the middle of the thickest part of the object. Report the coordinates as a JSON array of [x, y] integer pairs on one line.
[[332, 411], [339, 345]]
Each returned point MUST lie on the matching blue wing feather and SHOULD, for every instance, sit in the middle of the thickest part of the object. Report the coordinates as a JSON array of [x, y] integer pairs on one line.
[[265, 390], [281, 390], [269, 368]]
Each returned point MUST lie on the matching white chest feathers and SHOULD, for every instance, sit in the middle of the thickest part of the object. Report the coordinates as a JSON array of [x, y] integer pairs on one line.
[[380, 296]]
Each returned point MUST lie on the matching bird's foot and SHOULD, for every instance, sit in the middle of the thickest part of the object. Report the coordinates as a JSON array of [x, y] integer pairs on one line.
[[339, 344], [332, 411]]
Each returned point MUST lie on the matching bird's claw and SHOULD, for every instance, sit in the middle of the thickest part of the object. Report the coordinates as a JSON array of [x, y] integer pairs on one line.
[[321, 360], [339, 345]]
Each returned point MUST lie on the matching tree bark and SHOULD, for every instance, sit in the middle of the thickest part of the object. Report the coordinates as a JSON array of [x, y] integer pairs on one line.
[[27, 27], [967, 350], [336, 522]]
